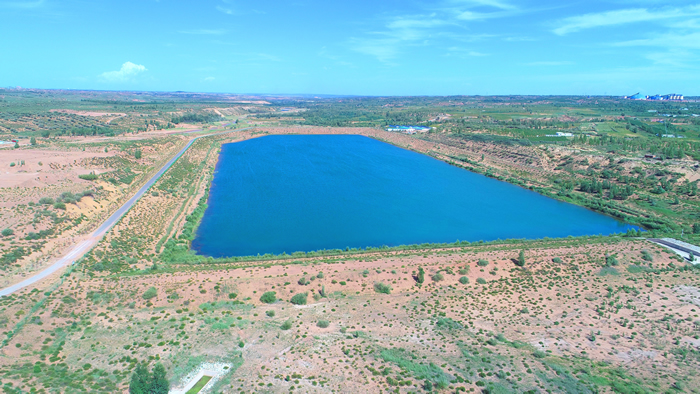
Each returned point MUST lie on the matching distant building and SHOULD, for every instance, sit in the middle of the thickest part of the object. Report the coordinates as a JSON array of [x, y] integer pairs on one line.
[[657, 97], [636, 96], [408, 129], [666, 97], [560, 134]]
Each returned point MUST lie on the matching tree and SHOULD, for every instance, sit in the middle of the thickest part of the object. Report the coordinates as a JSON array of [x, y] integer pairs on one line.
[[140, 380], [32, 141], [421, 275], [16, 145], [521, 259], [159, 383], [696, 228], [137, 154], [45, 134]]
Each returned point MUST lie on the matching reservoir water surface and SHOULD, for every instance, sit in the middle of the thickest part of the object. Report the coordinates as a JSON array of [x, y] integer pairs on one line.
[[291, 193]]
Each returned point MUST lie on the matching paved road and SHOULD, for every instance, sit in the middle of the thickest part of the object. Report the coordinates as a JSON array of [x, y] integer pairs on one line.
[[81, 248]]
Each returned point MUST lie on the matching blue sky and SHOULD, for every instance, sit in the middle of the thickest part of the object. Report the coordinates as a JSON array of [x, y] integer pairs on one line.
[[360, 47]]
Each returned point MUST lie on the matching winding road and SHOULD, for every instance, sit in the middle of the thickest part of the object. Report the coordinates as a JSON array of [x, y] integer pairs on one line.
[[81, 248]]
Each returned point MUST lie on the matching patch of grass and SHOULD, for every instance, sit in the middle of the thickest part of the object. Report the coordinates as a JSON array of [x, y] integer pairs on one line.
[[322, 323], [404, 360], [608, 271]]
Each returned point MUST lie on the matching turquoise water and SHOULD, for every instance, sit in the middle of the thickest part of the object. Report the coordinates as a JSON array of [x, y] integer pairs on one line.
[[291, 193]]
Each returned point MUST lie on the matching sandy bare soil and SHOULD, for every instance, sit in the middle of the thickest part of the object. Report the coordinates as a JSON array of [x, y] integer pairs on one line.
[[570, 311]]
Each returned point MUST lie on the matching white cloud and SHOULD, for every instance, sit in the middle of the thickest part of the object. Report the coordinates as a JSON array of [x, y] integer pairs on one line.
[[209, 79], [485, 3], [127, 72], [213, 32], [620, 17], [564, 63], [668, 40], [225, 10], [22, 4]]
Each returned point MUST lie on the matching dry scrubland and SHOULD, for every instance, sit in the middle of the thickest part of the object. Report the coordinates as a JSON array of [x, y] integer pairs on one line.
[[597, 314], [49, 207], [571, 320]]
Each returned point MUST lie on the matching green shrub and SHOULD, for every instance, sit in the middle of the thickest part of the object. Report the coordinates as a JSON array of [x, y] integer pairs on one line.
[[521, 259], [481, 281], [464, 271], [539, 354], [286, 325], [46, 200], [299, 299], [320, 275], [12, 164], [482, 263], [150, 293], [464, 280], [232, 295], [7, 232], [437, 277], [59, 205], [88, 177], [382, 288], [303, 281], [611, 261], [647, 256], [420, 278], [270, 313], [268, 297], [323, 324], [556, 260]]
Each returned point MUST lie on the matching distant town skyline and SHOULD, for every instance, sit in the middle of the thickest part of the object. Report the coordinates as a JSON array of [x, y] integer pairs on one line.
[[446, 47]]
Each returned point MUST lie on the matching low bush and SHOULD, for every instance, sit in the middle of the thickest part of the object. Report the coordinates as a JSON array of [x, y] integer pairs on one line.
[[268, 297], [481, 281], [382, 288], [88, 177], [482, 263], [299, 299], [7, 232], [464, 280], [59, 205], [150, 293], [323, 324], [270, 313], [556, 260], [286, 325], [437, 277]]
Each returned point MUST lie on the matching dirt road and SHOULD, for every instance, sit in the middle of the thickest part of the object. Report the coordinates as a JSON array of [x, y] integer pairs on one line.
[[81, 248]]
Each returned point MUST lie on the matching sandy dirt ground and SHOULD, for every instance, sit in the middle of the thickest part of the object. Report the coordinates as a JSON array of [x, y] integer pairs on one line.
[[570, 310]]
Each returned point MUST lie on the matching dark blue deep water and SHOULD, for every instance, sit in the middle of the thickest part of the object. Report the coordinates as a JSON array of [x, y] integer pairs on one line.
[[293, 193]]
